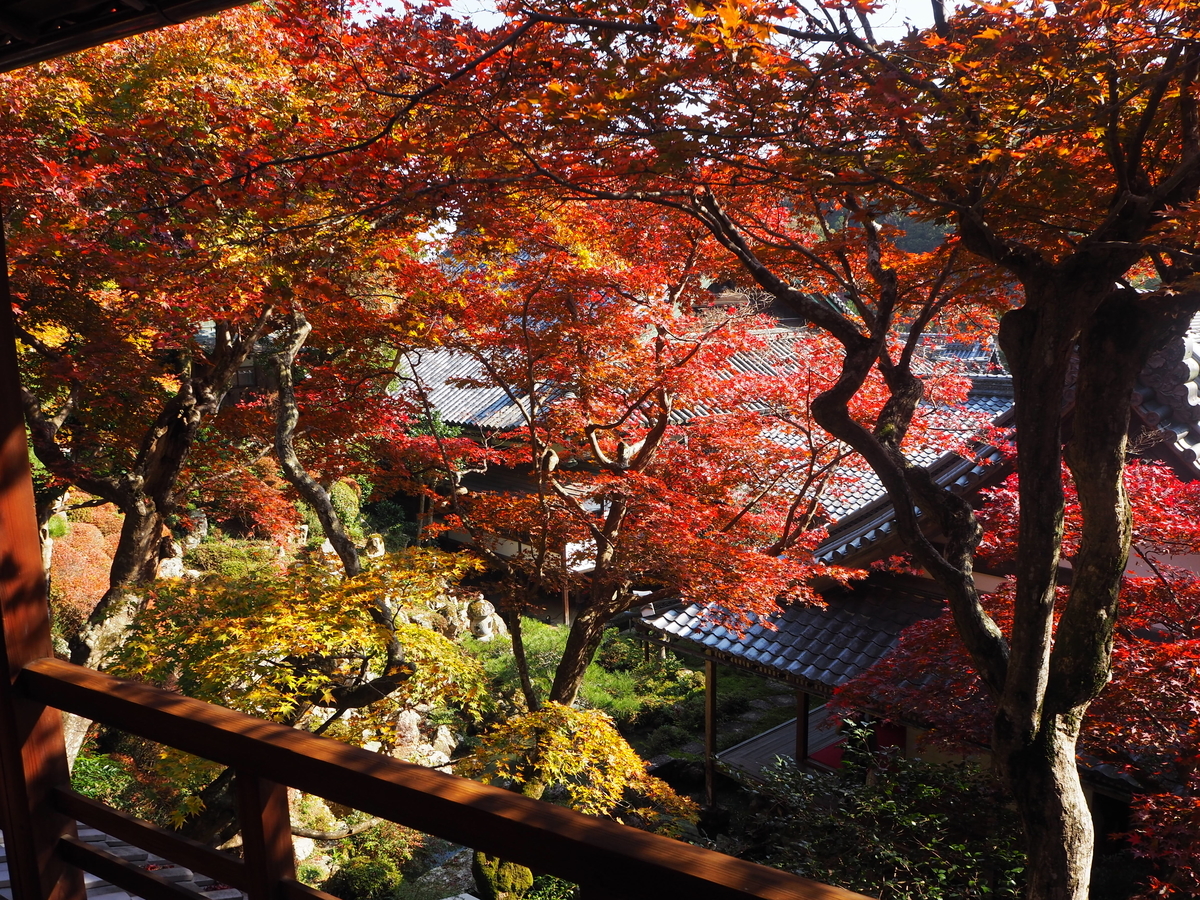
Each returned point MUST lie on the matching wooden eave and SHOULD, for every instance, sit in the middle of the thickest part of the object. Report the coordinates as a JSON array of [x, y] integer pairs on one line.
[[32, 31]]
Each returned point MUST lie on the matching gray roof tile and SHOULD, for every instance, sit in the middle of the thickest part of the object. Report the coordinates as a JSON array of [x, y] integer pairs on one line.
[[826, 645], [1167, 395]]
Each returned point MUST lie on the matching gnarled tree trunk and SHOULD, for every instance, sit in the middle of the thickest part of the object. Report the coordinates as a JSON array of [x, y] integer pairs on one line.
[[144, 492], [286, 418]]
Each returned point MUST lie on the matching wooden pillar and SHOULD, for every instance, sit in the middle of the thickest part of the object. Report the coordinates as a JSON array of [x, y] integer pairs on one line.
[[33, 758], [422, 503], [266, 836], [566, 584], [801, 728], [710, 733]]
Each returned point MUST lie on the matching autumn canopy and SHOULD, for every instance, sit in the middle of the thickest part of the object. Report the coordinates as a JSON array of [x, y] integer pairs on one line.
[[326, 200]]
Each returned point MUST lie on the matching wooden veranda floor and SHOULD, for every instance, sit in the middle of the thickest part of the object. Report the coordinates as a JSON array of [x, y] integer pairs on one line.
[[750, 756]]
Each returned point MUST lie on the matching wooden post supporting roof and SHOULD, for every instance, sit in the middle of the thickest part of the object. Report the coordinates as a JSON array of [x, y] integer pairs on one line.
[[710, 733], [802, 738], [33, 757]]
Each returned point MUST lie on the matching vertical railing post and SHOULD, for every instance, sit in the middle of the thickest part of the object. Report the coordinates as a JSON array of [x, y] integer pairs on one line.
[[33, 758], [266, 835]]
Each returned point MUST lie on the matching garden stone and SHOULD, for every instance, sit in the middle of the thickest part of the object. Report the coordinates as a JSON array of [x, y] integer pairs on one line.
[[408, 731], [444, 741], [303, 847], [453, 877], [170, 559], [194, 524], [499, 879]]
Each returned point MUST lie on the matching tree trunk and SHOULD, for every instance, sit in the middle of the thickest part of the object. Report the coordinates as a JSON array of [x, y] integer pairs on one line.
[[93, 644], [286, 418], [1044, 778], [49, 505], [1054, 672], [1043, 678], [522, 661], [144, 492], [582, 643]]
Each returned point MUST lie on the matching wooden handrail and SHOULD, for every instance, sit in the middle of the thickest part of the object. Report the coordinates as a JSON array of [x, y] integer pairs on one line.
[[606, 857]]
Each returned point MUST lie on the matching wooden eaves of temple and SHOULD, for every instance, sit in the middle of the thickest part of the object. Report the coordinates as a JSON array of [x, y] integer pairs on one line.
[[38, 810], [32, 31]]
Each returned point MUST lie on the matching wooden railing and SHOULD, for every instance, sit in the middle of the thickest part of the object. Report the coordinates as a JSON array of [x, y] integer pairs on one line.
[[607, 860]]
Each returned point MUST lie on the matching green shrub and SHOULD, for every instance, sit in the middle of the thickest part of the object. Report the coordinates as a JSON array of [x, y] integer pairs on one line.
[[384, 839], [621, 654], [116, 777], [547, 887], [347, 504], [310, 873], [58, 526], [619, 682], [345, 497], [665, 738], [232, 558], [364, 878], [895, 828], [370, 863], [100, 777], [387, 518]]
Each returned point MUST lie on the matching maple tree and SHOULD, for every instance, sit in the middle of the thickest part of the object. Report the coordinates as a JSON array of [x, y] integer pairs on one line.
[[308, 647], [118, 381], [146, 278], [344, 415], [1058, 144], [1145, 724], [664, 451], [580, 755]]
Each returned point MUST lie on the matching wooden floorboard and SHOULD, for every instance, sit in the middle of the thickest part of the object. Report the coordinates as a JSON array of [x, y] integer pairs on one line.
[[752, 755]]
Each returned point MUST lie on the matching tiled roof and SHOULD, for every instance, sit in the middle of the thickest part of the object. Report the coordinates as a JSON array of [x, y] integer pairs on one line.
[[1166, 398], [461, 391], [856, 489], [855, 539], [818, 646], [458, 388], [463, 394], [969, 357], [852, 488], [1167, 395]]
